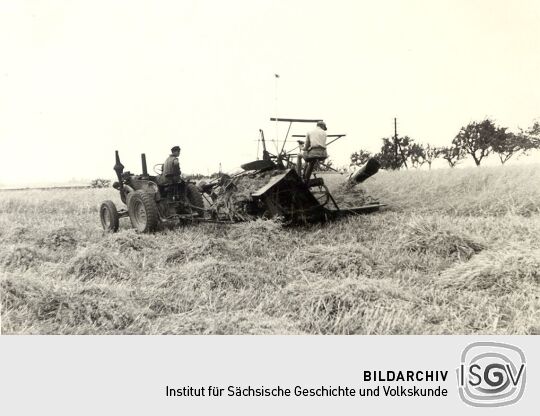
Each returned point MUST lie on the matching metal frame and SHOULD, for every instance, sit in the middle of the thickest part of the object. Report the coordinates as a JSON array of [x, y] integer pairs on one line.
[[286, 156]]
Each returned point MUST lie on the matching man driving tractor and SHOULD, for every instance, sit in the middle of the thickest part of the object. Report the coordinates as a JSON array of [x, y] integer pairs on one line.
[[171, 167]]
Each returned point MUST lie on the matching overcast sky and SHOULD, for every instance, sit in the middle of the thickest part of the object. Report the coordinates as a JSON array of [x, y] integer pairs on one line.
[[80, 79]]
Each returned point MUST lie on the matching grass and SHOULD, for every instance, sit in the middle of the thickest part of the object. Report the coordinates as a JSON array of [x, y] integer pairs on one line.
[[455, 252]]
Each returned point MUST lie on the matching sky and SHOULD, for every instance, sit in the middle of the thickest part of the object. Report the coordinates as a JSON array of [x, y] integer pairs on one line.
[[80, 79]]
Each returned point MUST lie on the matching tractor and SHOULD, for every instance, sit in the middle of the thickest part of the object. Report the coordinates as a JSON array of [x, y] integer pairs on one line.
[[150, 200]]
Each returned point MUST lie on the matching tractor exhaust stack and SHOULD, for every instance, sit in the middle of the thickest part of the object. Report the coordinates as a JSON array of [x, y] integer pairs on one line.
[[119, 169], [144, 167]]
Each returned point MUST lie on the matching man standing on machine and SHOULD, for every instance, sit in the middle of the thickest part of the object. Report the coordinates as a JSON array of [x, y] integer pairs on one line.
[[315, 148]]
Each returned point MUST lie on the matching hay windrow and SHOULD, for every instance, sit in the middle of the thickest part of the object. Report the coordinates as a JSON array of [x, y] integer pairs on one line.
[[343, 294], [244, 240], [177, 255], [332, 306], [104, 312], [199, 249], [129, 240], [337, 260], [18, 292], [501, 271], [214, 284], [19, 233], [230, 323], [96, 262], [260, 231], [88, 309], [61, 238], [222, 276], [423, 235], [23, 257]]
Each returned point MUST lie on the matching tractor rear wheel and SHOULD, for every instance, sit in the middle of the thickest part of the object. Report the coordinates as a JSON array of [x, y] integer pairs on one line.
[[143, 211], [109, 217], [195, 198]]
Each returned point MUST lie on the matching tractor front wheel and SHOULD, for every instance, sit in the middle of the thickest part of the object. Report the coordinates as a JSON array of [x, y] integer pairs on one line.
[[143, 212], [109, 217]]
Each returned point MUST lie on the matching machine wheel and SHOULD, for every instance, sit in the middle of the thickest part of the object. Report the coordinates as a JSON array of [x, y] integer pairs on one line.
[[195, 198], [143, 212], [109, 217]]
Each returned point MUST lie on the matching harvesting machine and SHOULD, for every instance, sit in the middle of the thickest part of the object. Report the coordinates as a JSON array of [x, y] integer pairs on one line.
[[266, 188]]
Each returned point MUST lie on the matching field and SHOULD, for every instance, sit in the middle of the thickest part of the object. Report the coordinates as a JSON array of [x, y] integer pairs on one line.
[[455, 252]]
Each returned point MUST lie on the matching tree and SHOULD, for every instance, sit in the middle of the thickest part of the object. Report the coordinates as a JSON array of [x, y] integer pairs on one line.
[[508, 144], [100, 183], [431, 153], [452, 154], [193, 176], [533, 133], [416, 154], [394, 155], [360, 158], [478, 138]]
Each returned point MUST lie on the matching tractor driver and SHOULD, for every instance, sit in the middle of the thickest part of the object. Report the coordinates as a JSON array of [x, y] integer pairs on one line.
[[315, 148], [171, 167]]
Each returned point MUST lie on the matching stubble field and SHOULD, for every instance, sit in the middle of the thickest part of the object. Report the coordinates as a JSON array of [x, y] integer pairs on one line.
[[455, 252]]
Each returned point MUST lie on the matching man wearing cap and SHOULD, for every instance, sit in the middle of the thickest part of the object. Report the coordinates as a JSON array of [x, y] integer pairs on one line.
[[171, 167], [315, 148]]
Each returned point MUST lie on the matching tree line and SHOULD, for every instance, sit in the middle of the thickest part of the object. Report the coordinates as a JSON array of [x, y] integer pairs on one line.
[[476, 140]]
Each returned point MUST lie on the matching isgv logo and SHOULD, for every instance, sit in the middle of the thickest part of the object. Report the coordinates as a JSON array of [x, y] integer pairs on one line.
[[491, 374]]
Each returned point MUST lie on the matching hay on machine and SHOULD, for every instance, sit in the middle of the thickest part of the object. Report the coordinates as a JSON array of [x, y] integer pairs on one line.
[[275, 186]]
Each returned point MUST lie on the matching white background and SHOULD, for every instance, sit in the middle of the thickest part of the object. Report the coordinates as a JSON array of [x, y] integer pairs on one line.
[[57, 375], [80, 79]]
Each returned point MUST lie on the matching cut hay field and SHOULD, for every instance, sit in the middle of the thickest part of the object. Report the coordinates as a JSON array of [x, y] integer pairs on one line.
[[455, 252]]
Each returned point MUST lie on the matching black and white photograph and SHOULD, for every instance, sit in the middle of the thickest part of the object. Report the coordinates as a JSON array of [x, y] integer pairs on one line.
[[270, 167]]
